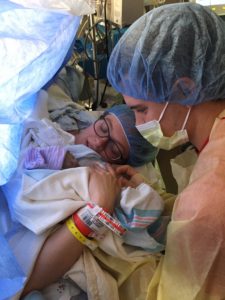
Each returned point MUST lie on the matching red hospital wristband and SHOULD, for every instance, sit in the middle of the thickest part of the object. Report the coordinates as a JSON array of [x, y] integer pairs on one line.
[[83, 228]]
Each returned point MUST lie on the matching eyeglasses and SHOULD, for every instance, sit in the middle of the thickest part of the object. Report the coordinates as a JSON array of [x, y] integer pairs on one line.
[[111, 150]]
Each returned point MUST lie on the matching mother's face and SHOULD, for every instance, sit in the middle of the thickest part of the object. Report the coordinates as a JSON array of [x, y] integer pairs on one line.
[[107, 138]]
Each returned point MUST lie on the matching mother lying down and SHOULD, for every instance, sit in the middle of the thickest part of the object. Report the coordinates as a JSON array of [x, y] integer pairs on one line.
[[112, 138], [136, 210]]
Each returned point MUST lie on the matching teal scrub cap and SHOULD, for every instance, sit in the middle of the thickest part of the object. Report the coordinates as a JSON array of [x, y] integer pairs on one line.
[[141, 151], [174, 53]]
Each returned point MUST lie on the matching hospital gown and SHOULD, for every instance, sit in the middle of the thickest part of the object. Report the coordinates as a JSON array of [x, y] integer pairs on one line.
[[194, 265]]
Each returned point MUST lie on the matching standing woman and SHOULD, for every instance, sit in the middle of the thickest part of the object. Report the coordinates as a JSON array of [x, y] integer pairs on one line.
[[170, 67]]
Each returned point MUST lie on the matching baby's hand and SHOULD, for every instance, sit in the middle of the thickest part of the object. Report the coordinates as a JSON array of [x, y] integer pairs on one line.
[[128, 176]]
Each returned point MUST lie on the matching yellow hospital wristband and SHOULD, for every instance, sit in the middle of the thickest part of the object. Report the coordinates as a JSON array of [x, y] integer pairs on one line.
[[79, 236]]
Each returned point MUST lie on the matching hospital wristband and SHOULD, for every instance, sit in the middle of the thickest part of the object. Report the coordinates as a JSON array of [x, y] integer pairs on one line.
[[81, 225], [85, 216], [79, 236], [99, 220]]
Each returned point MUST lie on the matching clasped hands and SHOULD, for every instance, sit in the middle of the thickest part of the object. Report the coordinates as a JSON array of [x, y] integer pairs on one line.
[[105, 183]]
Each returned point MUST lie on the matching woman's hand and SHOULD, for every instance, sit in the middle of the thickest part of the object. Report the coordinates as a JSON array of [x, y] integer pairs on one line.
[[128, 176], [104, 188]]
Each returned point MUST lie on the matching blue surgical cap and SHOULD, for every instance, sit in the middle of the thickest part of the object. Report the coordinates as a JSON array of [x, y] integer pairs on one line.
[[174, 53], [141, 151]]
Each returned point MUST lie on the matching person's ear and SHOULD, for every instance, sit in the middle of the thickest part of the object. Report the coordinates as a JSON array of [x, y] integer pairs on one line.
[[182, 90]]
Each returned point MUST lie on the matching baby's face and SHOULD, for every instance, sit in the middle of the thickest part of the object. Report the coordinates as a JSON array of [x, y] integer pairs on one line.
[[107, 138]]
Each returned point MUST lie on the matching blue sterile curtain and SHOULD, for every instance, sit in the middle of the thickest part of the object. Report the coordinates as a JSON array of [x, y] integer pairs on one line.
[[34, 45]]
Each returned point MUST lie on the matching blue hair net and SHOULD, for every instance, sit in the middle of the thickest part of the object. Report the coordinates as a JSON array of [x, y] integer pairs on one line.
[[140, 151], [173, 53]]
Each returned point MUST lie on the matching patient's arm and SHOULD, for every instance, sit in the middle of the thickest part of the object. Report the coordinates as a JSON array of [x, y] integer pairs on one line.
[[104, 188], [59, 252]]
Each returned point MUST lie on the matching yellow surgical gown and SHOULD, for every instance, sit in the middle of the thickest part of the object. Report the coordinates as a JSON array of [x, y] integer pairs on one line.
[[193, 267]]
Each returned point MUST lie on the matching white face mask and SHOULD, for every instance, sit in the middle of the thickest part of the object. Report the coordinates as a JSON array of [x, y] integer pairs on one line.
[[152, 132]]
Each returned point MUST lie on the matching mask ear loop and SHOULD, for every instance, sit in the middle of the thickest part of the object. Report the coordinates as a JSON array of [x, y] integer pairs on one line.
[[163, 111], [186, 118]]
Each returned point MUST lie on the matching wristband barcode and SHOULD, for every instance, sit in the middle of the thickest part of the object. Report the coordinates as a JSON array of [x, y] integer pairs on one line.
[[107, 219]]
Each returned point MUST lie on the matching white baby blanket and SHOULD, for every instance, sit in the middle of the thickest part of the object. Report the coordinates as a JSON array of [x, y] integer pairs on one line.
[[48, 197]]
